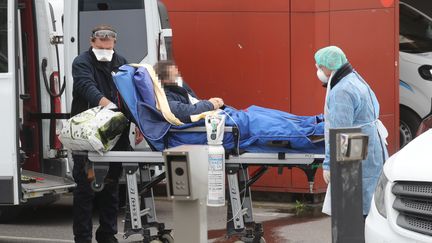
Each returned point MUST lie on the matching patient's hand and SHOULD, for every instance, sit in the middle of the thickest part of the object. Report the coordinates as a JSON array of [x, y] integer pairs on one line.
[[217, 102], [139, 137]]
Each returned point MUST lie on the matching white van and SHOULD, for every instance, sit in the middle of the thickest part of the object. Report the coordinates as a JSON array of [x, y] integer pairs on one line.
[[415, 60], [32, 161], [37, 47], [401, 209]]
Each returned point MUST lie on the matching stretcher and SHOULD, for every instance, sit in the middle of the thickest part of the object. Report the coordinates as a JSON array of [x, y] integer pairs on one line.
[[141, 214]]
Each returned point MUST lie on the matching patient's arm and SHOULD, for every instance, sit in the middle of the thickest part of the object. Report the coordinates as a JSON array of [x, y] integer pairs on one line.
[[183, 111]]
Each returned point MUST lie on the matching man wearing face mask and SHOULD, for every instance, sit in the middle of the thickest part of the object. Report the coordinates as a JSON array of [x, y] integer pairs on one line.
[[182, 101], [350, 102], [93, 86]]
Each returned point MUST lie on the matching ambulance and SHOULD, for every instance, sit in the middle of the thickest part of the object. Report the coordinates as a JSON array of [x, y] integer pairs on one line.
[[38, 42]]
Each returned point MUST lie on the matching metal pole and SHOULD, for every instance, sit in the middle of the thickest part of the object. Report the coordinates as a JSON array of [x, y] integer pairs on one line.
[[346, 192]]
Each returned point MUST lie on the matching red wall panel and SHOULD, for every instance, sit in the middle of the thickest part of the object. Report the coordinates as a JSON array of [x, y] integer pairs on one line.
[[272, 178], [363, 4], [223, 55], [319, 183], [326, 5], [370, 49], [310, 5], [228, 5], [290, 180], [309, 32]]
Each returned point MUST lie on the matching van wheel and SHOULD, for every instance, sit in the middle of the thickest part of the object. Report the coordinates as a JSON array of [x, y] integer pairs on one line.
[[409, 123], [9, 213]]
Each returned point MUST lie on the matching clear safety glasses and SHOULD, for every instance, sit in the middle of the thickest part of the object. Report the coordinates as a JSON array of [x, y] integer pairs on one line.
[[103, 34]]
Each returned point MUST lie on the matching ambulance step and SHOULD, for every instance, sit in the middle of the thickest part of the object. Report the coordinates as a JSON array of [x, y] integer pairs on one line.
[[37, 184]]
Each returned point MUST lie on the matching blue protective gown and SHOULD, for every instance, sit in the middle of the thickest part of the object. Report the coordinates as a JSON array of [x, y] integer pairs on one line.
[[352, 103]]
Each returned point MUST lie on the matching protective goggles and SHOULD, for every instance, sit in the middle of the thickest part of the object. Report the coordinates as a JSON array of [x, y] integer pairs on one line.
[[102, 34]]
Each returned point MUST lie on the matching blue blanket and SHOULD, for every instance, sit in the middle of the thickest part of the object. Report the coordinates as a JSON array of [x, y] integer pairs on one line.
[[260, 129]]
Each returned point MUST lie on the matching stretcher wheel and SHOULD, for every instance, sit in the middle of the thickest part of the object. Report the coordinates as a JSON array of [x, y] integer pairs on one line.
[[167, 238], [97, 187], [262, 240]]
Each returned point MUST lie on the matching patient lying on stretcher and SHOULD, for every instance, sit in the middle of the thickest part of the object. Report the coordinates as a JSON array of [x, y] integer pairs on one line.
[[160, 113], [182, 100], [259, 127]]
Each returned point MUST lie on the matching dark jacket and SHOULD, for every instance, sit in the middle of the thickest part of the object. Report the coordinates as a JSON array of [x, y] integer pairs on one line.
[[93, 80], [180, 105]]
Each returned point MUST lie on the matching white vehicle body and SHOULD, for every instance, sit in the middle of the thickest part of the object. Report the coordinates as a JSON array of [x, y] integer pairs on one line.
[[415, 60], [9, 147], [401, 210], [31, 59], [32, 36]]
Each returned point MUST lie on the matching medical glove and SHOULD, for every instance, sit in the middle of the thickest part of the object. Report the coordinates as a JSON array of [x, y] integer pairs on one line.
[[326, 176], [111, 106]]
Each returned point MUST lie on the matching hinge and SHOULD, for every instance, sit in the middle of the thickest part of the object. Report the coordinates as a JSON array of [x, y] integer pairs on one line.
[[56, 39]]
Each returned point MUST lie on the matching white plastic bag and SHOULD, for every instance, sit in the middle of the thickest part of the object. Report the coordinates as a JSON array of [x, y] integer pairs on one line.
[[96, 129], [326, 208]]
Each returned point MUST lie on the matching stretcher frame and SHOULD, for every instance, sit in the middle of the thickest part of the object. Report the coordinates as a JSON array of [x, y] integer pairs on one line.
[[239, 210], [141, 214]]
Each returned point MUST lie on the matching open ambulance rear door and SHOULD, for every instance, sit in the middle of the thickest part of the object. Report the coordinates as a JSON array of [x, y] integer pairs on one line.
[[28, 58], [9, 142]]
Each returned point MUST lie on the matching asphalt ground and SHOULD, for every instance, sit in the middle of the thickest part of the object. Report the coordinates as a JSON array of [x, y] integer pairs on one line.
[[282, 222]]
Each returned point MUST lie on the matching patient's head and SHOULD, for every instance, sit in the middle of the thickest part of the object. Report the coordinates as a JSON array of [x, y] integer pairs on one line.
[[167, 72]]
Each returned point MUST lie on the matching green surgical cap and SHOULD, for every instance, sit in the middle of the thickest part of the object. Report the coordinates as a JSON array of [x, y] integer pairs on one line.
[[331, 57]]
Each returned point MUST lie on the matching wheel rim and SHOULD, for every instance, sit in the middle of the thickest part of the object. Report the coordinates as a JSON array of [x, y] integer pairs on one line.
[[405, 134], [98, 188], [167, 238]]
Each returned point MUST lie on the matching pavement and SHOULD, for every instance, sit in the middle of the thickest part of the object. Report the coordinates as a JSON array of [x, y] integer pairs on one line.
[[282, 222]]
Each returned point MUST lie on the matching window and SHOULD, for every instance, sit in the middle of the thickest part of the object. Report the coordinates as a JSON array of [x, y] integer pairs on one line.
[[127, 17], [97, 5], [3, 37], [53, 21], [415, 31]]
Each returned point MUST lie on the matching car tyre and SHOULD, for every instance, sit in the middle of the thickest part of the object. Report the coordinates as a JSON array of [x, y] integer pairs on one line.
[[409, 123]]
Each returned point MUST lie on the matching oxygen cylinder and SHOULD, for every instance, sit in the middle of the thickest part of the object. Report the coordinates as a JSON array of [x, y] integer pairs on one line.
[[215, 125], [216, 176]]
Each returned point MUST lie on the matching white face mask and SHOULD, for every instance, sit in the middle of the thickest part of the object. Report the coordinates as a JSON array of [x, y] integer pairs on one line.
[[321, 76], [103, 55], [179, 81]]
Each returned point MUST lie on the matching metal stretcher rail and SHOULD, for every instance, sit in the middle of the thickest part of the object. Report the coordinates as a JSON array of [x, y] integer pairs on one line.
[[246, 158]]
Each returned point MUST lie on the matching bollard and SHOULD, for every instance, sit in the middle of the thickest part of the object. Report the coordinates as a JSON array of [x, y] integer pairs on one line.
[[187, 169], [348, 147]]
